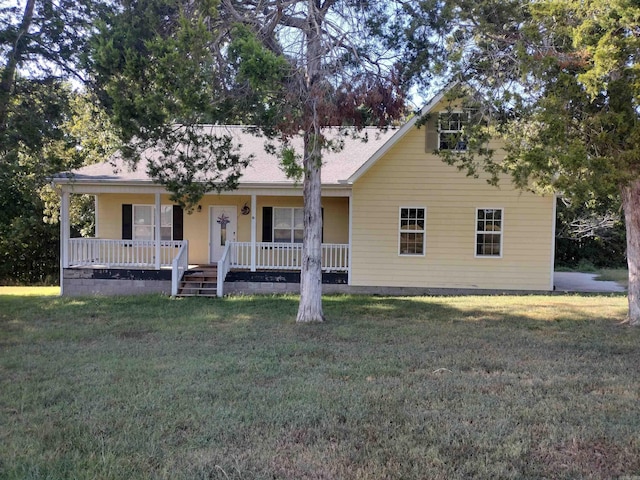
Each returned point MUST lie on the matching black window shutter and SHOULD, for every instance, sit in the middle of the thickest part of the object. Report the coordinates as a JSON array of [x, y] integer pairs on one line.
[[322, 231], [267, 224], [127, 221], [178, 217]]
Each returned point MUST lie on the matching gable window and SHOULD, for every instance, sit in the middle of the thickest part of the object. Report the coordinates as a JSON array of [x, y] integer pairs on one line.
[[288, 225], [450, 130], [144, 222], [489, 232], [412, 230]]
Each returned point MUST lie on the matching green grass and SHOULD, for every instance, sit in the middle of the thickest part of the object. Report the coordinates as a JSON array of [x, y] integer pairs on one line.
[[411, 388], [620, 275]]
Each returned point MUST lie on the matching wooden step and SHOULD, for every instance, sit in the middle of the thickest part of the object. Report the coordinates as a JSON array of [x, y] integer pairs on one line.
[[199, 283]]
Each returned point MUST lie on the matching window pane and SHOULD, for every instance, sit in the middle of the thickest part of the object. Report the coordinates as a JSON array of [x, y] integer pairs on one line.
[[488, 244], [166, 233], [452, 120], [282, 217], [411, 243], [143, 214], [288, 225], [143, 232], [166, 215], [489, 221], [412, 219], [282, 235], [452, 141], [143, 224], [298, 218]]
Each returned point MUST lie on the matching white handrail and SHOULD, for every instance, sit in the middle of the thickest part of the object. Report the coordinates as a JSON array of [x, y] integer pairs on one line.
[[179, 265], [224, 265], [288, 256], [121, 253]]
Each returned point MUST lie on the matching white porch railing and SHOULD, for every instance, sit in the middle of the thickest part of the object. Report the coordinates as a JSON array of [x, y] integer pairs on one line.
[[94, 252], [121, 253], [179, 265], [277, 256], [224, 265], [287, 256]]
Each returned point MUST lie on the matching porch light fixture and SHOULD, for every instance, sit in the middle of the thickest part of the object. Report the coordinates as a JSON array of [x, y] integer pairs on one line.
[[199, 209], [245, 210]]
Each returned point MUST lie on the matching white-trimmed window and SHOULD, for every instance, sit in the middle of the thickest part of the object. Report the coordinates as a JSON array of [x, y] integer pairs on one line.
[[489, 223], [288, 224], [450, 130], [144, 222], [412, 230]]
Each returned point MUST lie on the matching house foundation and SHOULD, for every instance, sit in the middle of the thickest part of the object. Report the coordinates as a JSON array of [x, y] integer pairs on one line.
[[108, 282]]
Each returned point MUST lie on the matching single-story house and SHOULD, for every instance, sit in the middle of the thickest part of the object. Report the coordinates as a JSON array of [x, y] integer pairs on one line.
[[396, 220]]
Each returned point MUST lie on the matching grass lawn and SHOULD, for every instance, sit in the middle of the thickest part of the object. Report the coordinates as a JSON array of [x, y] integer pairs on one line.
[[397, 388], [620, 275]]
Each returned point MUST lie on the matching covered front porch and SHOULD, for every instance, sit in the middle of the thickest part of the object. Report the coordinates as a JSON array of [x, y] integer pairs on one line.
[[220, 218], [103, 254]]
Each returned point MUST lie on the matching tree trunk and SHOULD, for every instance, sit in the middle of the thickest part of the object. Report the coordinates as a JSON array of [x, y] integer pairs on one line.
[[310, 308], [15, 55], [631, 206]]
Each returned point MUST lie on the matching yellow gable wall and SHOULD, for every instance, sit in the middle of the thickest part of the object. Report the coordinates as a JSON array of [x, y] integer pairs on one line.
[[407, 176], [197, 224]]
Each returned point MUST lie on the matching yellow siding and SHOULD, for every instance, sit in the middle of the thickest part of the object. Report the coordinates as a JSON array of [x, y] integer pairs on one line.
[[408, 177], [196, 224]]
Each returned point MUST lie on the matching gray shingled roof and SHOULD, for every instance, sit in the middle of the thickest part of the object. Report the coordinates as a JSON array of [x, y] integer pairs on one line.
[[264, 168]]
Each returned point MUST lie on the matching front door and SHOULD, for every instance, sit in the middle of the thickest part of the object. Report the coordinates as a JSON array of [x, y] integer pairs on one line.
[[223, 223]]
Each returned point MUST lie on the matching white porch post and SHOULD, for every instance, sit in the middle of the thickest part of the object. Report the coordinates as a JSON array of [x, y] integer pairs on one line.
[[96, 233], [158, 220], [253, 232], [65, 234]]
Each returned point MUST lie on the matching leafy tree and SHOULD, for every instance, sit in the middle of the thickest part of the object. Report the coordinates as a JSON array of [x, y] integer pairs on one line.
[[562, 86], [285, 67], [41, 42], [89, 138], [587, 235], [30, 152]]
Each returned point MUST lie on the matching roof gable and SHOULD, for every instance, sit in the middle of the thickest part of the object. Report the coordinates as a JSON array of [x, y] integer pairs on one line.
[[406, 128]]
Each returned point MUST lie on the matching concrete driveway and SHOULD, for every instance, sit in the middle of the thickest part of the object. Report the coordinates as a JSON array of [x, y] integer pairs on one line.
[[583, 283]]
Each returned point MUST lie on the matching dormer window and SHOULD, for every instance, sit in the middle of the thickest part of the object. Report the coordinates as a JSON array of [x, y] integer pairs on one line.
[[450, 130]]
